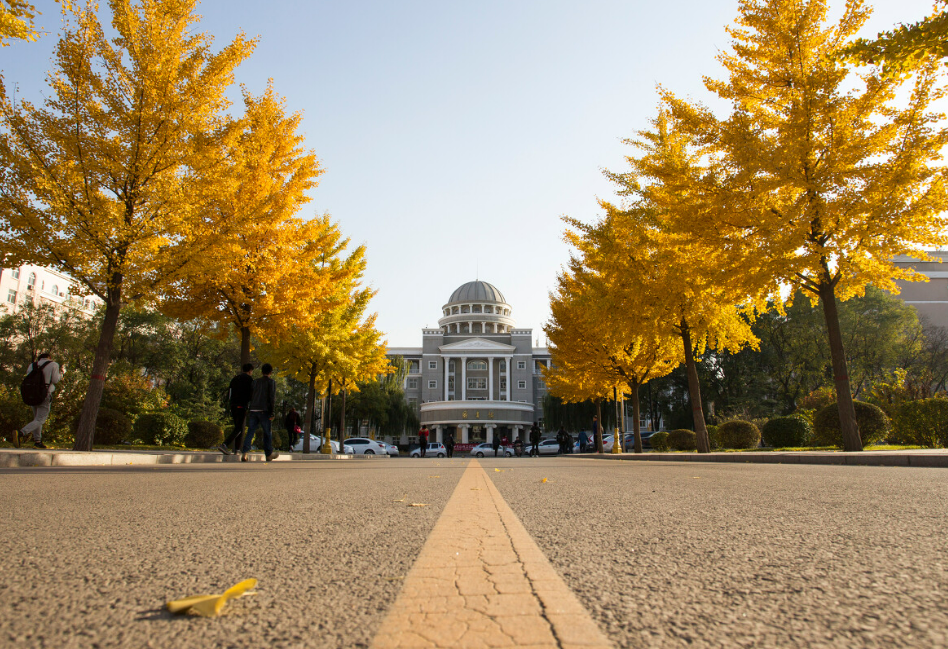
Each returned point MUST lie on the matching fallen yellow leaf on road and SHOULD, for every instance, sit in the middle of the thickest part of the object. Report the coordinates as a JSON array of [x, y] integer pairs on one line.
[[418, 505], [404, 498], [210, 605], [498, 470], [543, 480], [434, 476]]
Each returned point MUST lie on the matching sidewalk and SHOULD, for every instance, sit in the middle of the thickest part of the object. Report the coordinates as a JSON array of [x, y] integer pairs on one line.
[[15, 457], [937, 457]]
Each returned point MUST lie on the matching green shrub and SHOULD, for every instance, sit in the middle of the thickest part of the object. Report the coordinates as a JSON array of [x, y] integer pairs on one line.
[[161, 429], [659, 440], [783, 432], [713, 437], [204, 434], [111, 427], [923, 423], [738, 434], [873, 425], [683, 439]]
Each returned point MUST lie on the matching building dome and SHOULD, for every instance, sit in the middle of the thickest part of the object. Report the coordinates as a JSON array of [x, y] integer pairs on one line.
[[477, 291]]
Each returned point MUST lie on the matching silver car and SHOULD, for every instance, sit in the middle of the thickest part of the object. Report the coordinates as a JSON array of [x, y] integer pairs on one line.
[[366, 446], [487, 450], [316, 443]]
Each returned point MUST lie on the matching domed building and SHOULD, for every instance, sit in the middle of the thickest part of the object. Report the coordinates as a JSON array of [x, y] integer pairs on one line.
[[477, 375]]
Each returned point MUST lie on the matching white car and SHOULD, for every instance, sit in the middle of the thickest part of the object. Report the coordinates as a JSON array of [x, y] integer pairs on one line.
[[487, 450], [591, 444], [546, 447], [316, 443], [435, 449], [391, 448], [366, 446]]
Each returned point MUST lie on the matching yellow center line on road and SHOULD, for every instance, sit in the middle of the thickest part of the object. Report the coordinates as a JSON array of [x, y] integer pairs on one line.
[[481, 581]]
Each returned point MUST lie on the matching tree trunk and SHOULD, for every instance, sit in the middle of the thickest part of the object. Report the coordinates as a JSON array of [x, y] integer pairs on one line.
[[599, 447], [844, 397], [310, 406], [694, 391], [636, 428], [244, 345], [327, 427], [85, 432]]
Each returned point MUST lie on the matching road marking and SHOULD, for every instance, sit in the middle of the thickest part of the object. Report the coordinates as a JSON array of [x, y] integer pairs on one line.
[[481, 581]]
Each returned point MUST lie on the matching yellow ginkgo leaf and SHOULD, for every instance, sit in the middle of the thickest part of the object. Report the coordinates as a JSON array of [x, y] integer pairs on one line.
[[210, 605], [543, 480], [418, 505]]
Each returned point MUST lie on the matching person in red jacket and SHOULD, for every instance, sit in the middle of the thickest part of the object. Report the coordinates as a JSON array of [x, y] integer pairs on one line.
[[423, 440]]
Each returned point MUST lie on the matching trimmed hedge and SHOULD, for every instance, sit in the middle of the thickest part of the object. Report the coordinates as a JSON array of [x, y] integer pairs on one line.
[[738, 434], [659, 441], [111, 427], [683, 439], [204, 434], [922, 423], [784, 432], [713, 439], [161, 429], [873, 424]]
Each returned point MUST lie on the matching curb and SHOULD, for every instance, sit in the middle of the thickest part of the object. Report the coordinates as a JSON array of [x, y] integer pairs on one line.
[[865, 458], [16, 459]]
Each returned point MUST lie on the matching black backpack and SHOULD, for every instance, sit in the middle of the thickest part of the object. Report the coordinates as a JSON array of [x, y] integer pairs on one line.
[[34, 389]]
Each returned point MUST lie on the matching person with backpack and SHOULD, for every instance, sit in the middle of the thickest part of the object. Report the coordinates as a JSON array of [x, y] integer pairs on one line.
[[240, 393], [261, 409], [535, 440], [37, 392]]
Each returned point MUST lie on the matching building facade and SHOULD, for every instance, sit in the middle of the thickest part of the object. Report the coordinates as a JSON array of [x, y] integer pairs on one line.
[[477, 375], [40, 286], [929, 298]]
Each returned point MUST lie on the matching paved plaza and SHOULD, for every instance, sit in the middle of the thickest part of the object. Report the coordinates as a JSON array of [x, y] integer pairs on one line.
[[456, 552]]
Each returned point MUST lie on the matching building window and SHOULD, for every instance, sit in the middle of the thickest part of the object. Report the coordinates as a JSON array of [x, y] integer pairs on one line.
[[521, 385], [451, 366], [432, 365], [476, 309], [412, 384], [413, 403], [16, 273], [465, 309], [55, 289], [450, 384], [521, 365], [31, 282], [433, 384], [503, 366], [11, 296], [447, 312], [474, 383], [503, 383], [413, 367], [477, 365]]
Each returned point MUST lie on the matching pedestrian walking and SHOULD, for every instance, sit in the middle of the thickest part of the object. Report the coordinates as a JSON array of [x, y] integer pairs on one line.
[[495, 444], [535, 440], [292, 423], [260, 413], [449, 444], [583, 441], [595, 434], [239, 393], [423, 440], [37, 390]]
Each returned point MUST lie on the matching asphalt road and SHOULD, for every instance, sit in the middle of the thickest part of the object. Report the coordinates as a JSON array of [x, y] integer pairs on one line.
[[721, 555], [665, 555]]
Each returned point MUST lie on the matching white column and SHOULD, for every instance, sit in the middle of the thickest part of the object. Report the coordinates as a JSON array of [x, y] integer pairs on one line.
[[490, 433], [490, 378], [464, 428], [438, 434], [463, 379], [447, 364], [509, 375]]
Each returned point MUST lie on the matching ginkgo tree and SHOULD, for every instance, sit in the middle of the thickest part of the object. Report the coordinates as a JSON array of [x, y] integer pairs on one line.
[[826, 173], [268, 268], [103, 180], [16, 21]]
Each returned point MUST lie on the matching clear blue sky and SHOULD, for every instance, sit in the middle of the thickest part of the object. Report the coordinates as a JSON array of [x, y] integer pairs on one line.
[[456, 134]]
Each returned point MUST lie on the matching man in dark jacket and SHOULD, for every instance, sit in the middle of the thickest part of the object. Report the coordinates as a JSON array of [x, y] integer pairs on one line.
[[239, 393], [291, 422], [449, 443], [495, 444], [262, 406], [535, 439]]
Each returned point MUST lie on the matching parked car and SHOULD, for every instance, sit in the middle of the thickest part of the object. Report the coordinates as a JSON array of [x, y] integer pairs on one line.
[[391, 448], [366, 446], [546, 447], [591, 445], [315, 443], [646, 440], [487, 450], [435, 449]]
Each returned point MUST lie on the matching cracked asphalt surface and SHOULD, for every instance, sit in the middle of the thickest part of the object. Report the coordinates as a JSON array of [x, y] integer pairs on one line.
[[665, 555]]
